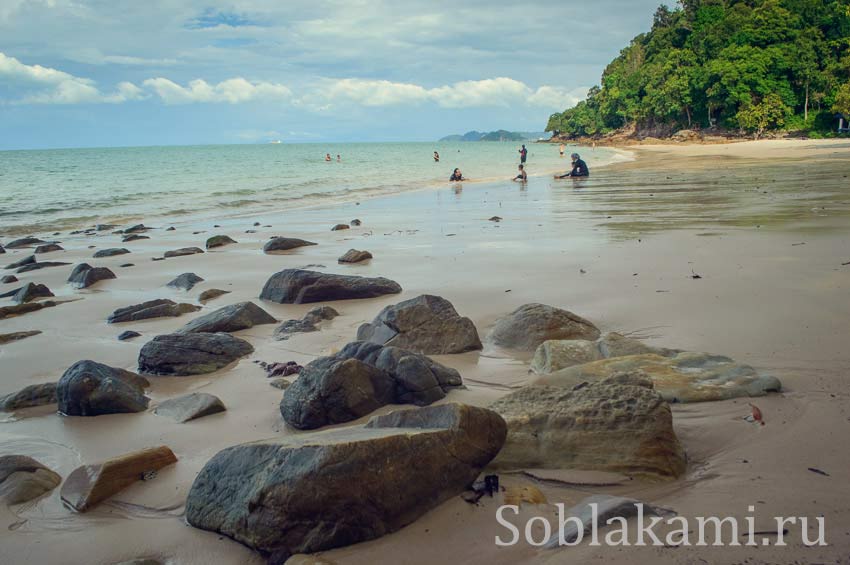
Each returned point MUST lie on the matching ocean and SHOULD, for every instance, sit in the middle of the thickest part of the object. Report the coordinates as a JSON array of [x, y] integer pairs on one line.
[[60, 189]]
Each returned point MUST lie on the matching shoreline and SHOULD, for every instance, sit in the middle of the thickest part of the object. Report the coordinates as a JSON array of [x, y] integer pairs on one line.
[[619, 249]]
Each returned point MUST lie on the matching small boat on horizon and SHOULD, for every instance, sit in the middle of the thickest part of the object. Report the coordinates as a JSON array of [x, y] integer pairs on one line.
[[274, 141]]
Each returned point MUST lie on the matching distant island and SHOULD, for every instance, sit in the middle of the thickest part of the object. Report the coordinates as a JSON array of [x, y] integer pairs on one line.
[[498, 135]]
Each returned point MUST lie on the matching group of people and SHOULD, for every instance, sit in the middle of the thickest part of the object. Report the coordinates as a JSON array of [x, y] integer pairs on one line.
[[328, 158], [579, 167]]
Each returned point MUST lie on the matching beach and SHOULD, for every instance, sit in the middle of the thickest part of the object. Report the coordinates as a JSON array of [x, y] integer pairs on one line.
[[739, 250]]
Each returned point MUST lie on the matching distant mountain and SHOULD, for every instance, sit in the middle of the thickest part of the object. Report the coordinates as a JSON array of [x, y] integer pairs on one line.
[[498, 135]]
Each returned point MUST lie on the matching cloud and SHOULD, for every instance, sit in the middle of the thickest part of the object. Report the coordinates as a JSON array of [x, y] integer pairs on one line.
[[232, 91], [212, 18]]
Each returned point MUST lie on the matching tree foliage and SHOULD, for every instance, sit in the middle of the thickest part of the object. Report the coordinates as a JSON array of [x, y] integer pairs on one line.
[[728, 63]]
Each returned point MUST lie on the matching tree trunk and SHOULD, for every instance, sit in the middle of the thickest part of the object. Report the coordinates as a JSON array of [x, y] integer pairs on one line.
[[806, 110], [688, 112]]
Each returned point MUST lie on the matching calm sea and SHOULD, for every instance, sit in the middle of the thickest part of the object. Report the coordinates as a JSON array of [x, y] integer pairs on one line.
[[59, 189]]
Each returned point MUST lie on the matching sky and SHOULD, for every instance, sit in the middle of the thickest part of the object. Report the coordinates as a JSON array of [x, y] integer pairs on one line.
[[99, 73]]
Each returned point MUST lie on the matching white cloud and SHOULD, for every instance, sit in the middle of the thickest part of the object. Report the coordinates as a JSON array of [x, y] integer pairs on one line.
[[489, 92], [557, 98], [233, 91]]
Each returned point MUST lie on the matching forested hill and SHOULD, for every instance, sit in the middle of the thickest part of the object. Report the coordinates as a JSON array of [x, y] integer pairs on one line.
[[749, 65]]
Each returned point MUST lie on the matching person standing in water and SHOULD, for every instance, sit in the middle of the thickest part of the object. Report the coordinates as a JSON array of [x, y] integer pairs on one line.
[[328, 157], [338, 158], [457, 176], [436, 157], [522, 176], [579, 168], [523, 155], [561, 149]]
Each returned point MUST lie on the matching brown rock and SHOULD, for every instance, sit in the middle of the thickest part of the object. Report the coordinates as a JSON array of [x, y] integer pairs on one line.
[[531, 324], [354, 256], [23, 478]]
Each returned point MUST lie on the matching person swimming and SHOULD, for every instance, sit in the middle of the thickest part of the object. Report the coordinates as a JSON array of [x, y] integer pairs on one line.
[[327, 157], [579, 168], [436, 157], [522, 176], [457, 176]]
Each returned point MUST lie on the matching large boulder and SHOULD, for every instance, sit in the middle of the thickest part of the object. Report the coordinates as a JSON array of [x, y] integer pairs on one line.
[[281, 244], [298, 286], [619, 424], [23, 478], [160, 308], [191, 354], [28, 293], [425, 324], [360, 379], [318, 491], [90, 389], [531, 324], [685, 377], [84, 275], [186, 281], [233, 318]]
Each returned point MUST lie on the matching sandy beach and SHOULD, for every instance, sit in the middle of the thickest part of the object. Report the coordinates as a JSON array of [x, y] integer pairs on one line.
[[764, 225]]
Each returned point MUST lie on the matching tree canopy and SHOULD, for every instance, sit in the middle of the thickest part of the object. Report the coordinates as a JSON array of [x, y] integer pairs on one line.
[[753, 65]]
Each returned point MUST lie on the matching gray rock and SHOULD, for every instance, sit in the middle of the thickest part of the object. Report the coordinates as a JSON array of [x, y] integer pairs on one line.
[[339, 227], [531, 324], [30, 292], [356, 222], [183, 251], [358, 380], [296, 286], [2, 250], [138, 228], [279, 244], [104, 227], [219, 241], [17, 336], [133, 237], [48, 248], [23, 479], [111, 252], [191, 354], [129, 334], [354, 256], [186, 281], [190, 407], [309, 323], [90, 389], [9, 279], [425, 324], [280, 383], [29, 397], [557, 354], [28, 260], [41, 265], [315, 492], [84, 275], [211, 294], [24, 242], [160, 308], [233, 318], [26, 308], [618, 345]]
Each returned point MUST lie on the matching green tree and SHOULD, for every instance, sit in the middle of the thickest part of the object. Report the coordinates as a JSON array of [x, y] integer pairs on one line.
[[769, 113], [842, 100]]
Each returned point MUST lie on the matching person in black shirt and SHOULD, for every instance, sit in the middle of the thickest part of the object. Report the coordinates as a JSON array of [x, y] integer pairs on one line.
[[579, 168], [523, 155], [457, 176]]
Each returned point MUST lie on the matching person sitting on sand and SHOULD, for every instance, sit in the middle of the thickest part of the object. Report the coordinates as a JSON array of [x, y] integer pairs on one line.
[[436, 157], [457, 176], [579, 168], [522, 177], [328, 157]]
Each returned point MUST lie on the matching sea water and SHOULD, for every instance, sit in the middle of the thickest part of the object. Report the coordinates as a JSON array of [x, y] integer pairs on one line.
[[59, 189]]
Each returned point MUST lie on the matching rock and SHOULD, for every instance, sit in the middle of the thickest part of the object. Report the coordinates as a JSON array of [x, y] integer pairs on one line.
[[354, 256], [84, 275], [280, 383], [186, 281], [48, 248], [129, 334], [190, 407], [685, 377], [211, 294], [183, 251], [617, 345], [425, 324], [26, 308], [17, 336], [319, 491], [136, 229], [356, 222], [126, 265], [39, 266], [160, 308], [104, 227], [309, 323], [28, 260], [219, 241], [133, 237], [9, 279], [30, 292], [24, 242], [233, 318], [339, 227], [281, 369], [604, 509], [360, 379], [496, 219], [296, 286], [142, 561], [23, 479], [2, 250], [554, 355], [28, 397], [111, 252], [191, 354], [90, 389], [619, 424], [171, 228], [278, 244], [531, 324], [89, 485]]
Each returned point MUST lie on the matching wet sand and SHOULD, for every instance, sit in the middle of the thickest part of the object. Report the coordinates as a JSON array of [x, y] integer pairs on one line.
[[766, 225]]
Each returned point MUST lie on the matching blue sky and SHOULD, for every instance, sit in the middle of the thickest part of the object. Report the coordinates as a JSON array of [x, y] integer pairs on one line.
[[76, 73]]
